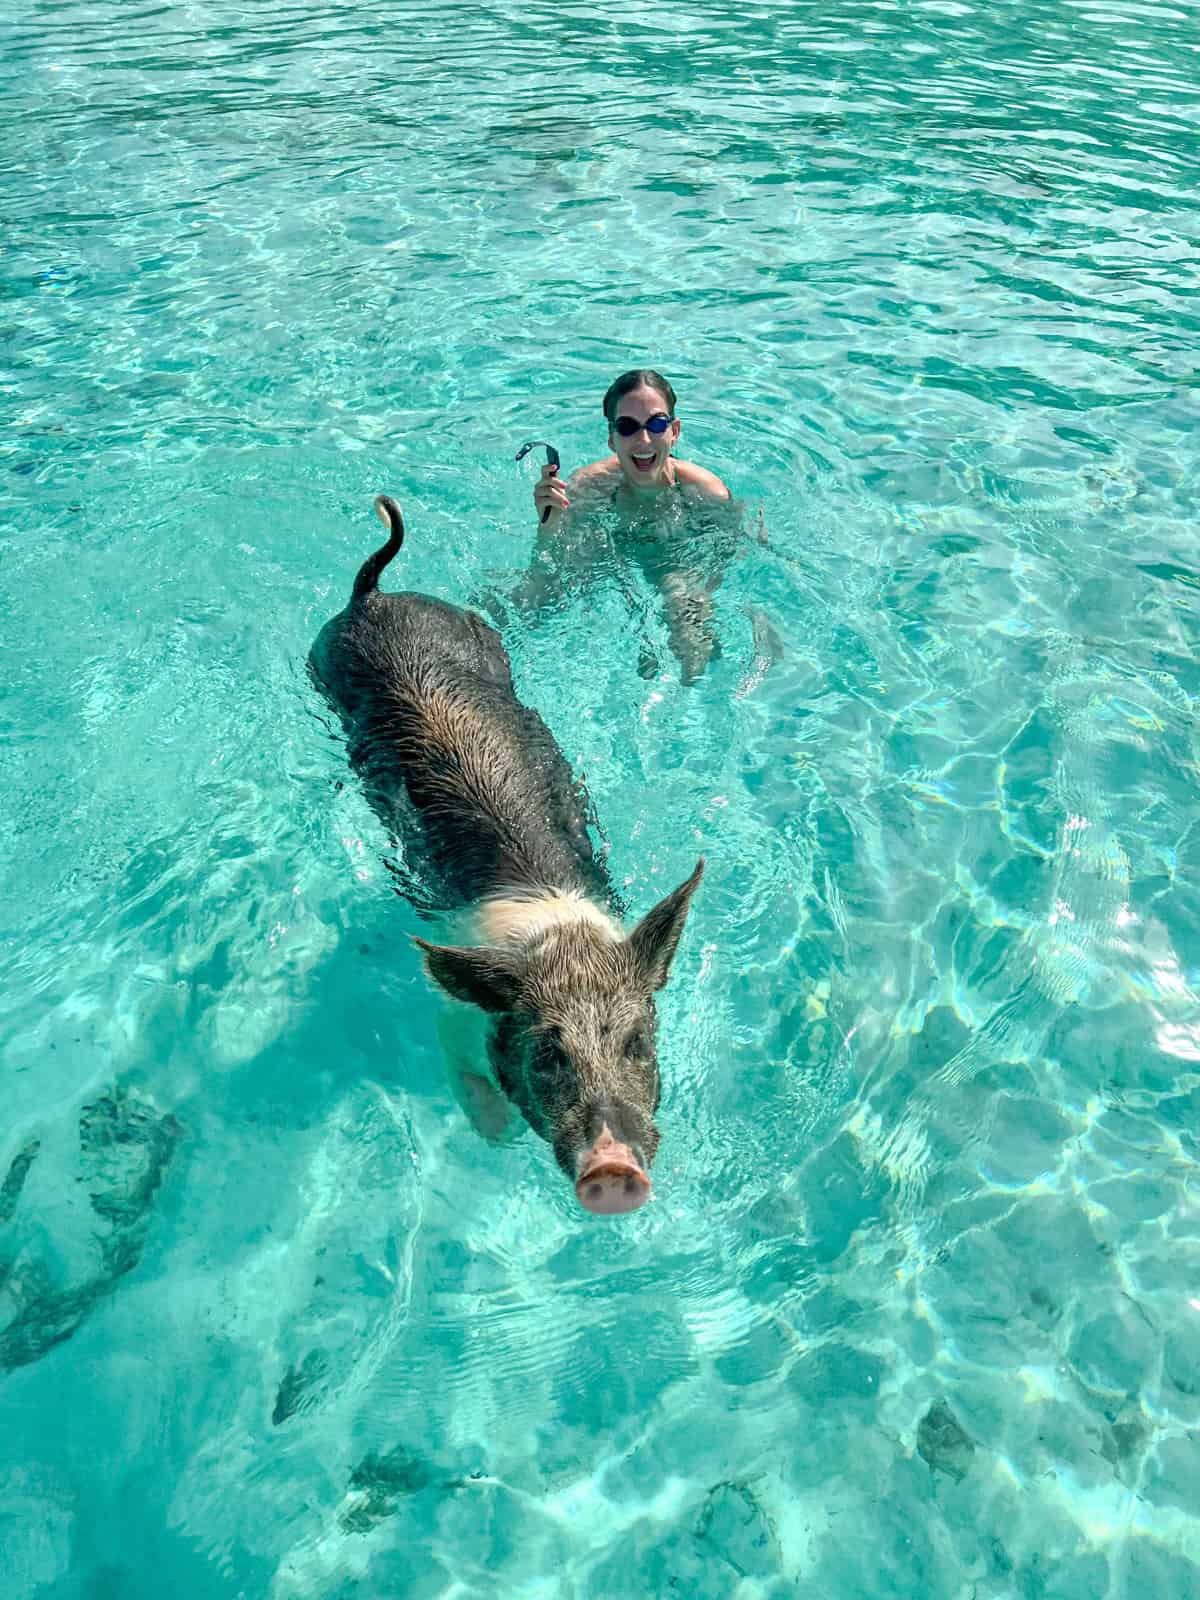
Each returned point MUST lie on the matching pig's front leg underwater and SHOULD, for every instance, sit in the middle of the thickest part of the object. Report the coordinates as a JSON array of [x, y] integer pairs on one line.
[[463, 1036]]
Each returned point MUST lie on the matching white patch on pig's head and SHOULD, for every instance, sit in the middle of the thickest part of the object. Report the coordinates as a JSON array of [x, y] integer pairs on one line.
[[522, 919]]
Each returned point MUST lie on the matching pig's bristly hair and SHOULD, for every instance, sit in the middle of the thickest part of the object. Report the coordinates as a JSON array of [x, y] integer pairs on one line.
[[490, 783]]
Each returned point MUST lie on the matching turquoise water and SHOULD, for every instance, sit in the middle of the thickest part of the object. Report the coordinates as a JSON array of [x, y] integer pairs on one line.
[[916, 1310]]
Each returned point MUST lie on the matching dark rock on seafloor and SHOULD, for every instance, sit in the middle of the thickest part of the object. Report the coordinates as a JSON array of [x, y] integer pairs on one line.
[[943, 1443], [126, 1145]]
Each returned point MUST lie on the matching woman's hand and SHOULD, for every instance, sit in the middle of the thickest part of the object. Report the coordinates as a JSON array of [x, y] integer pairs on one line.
[[550, 496]]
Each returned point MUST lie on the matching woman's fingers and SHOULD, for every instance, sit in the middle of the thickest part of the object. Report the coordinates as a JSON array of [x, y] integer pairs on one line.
[[549, 493]]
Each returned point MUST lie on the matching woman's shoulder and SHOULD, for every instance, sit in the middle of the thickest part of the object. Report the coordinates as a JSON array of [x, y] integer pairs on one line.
[[597, 472], [694, 477]]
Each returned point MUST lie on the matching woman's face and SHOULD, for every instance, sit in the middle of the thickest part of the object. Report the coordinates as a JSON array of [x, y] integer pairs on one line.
[[643, 455]]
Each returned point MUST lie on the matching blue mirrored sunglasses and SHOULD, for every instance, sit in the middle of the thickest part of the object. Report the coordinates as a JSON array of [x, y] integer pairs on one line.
[[627, 426]]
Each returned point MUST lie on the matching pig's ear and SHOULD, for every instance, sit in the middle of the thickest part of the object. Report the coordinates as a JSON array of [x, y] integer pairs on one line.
[[656, 936], [481, 977]]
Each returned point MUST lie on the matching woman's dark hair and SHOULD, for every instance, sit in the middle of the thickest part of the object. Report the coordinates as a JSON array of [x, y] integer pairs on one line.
[[635, 380]]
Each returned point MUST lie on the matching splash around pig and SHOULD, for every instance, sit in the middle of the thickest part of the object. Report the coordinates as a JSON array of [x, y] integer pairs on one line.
[[495, 822]]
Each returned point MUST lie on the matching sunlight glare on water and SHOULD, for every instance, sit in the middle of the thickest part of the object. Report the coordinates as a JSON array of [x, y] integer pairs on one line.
[[914, 1309]]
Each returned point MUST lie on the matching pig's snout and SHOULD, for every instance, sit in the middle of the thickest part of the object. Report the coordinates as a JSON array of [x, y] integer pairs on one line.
[[611, 1180]]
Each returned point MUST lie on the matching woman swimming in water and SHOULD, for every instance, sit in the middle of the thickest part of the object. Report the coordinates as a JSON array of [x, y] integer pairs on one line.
[[662, 522], [642, 430]]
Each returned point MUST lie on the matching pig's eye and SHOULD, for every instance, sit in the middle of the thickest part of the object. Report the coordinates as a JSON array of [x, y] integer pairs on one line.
[[638, 1043], [552, 1047]]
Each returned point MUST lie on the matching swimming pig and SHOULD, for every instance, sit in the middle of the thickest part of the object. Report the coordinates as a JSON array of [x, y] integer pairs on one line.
[[495, 822]]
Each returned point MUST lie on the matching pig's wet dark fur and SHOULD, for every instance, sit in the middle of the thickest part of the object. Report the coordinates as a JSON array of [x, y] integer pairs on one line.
[[426, 696], [560, 1105], [492, 818]]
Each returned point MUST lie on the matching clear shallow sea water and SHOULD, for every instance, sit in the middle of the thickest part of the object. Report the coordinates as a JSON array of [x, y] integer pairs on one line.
[[916, 1310]]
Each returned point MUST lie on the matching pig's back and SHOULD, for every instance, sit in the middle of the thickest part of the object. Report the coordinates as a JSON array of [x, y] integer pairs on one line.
[[384, 640], [451, 760]]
